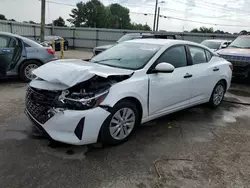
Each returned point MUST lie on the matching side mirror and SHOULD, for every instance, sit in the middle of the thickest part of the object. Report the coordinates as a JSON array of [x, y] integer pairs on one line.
[[164, 68], [223, 46]]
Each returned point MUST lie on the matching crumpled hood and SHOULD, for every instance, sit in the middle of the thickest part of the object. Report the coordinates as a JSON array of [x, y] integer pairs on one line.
[[73, 71], [235, 51]]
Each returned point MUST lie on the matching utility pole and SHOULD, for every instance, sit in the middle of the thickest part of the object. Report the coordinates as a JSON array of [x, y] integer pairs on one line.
[[156, 5], [158, 18], [42, 20]]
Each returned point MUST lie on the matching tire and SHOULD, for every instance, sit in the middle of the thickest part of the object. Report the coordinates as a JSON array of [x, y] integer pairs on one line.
[[219, 92], [119, 129], [24, 68]]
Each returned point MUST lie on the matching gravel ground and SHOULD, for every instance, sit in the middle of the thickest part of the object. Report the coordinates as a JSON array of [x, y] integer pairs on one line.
[[197, 147]]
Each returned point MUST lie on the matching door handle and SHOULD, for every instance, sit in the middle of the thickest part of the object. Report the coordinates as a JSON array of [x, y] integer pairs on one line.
[[188, 75], [216, 69], [5, 50]]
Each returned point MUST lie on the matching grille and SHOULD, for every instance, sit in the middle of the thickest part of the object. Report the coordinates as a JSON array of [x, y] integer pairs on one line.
[[39, 102], [239, 61]]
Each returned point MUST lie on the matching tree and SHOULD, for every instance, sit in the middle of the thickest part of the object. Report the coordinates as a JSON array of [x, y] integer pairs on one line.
[[243, 32], [141, 27], [118, 17], [32, 22], [90, 14], [12, 20], [203, 30], [2, 17], [59, 22]]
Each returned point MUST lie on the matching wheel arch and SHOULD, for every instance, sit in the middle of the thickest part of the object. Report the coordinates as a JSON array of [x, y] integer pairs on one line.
[[26, 60]]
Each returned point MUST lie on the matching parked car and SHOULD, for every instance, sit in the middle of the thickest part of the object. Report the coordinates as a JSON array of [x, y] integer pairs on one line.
[[20, 56], [216, 44], [48, 42], [133, 36], [79, 102], [238, 53]]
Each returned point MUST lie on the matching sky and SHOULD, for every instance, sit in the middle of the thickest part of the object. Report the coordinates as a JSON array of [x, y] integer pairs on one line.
[[226, 15]]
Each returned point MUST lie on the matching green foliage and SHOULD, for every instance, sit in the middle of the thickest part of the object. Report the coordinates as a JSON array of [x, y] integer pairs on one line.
[[135, 26], [59, 22], [203, 30], [2, 17], [208, 30], [118, 17], [95, 14], [90, 14]]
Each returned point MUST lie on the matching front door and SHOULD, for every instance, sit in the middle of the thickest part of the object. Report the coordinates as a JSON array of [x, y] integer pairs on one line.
[[170, 91], [6, 54]]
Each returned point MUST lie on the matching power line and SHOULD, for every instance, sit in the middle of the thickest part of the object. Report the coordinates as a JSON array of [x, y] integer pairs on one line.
[[169, 17], [187, 20]]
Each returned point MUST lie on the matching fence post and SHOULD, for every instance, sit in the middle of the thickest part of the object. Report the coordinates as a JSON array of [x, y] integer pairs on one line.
[[34, 31], [11, 28], [96, 38], [74, 34]]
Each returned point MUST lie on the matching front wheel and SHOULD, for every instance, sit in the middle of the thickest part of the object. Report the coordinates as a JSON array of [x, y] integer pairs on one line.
[[217, 95], [120, 124]]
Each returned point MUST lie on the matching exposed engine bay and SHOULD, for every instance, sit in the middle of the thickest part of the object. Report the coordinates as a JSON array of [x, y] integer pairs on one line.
[[87, 94]]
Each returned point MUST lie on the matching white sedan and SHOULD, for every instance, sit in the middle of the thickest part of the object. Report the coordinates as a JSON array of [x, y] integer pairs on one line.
[[79, 102]]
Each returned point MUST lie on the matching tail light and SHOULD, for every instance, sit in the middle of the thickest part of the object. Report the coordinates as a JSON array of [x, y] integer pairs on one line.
[[231, 67], [50, 51]]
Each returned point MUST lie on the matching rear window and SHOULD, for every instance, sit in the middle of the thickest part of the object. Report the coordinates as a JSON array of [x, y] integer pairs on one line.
[[211, 44]]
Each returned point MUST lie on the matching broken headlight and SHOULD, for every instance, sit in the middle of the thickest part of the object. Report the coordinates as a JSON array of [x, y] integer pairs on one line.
[[81, 100]]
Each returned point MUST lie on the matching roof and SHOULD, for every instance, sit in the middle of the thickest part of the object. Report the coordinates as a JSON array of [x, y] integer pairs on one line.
[[218, 40], [162, 41], [26, 40]]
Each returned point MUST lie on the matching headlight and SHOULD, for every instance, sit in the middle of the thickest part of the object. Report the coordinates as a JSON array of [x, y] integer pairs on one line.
[[77, 101]]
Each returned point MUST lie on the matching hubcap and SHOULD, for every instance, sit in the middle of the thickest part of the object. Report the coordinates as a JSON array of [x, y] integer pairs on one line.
[[122, 123], [28, 71], [218, 94]]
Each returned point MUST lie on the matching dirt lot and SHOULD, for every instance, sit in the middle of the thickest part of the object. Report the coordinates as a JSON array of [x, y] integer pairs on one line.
[[198, 147]]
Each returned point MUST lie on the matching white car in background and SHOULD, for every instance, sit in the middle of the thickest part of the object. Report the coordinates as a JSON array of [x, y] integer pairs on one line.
[[216, 44], [79, 102]]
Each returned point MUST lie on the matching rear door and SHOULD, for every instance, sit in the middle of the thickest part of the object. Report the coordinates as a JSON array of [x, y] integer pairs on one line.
[[6, 53], [170, 91], [205, 74]]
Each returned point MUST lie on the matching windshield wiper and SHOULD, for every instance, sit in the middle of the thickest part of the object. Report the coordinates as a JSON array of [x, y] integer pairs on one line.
[[114, 59]]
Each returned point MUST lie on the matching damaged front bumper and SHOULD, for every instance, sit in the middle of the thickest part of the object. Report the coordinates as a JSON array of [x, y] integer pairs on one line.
[[73, 127]]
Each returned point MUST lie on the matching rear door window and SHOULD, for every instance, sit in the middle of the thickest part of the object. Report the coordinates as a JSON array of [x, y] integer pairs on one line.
[[198, 55]]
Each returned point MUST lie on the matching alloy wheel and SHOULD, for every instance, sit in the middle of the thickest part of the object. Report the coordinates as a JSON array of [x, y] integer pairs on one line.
[[122, 123]]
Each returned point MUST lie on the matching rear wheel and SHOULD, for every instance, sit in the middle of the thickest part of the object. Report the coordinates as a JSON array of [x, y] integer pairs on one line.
[[120, 124], [218, 94], [26, 69]]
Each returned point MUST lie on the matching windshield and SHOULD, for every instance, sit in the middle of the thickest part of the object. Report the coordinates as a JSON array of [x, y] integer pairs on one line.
[[211, 44], [241, 42], [128, 37], [127, 55]]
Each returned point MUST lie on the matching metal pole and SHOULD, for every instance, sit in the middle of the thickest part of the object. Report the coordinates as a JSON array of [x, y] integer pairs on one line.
[[158, 18], [42, 20], [156, 5]]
